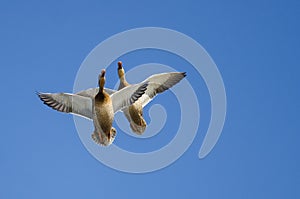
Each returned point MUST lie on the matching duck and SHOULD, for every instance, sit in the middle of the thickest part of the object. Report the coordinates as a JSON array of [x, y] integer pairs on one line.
[[158, 83], [98, 105]]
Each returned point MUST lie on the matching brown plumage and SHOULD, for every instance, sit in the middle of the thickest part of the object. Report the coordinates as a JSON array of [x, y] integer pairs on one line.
[[104, 108]]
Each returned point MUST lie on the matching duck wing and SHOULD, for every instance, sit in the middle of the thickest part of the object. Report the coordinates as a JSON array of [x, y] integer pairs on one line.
[[159, 83], [69, 103], [128, 95]]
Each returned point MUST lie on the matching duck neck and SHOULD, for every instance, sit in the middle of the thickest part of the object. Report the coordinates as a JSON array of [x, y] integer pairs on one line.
[[100, 94], [123, 79]]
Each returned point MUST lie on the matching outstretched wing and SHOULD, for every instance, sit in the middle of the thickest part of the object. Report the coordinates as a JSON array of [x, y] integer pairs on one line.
[[159, 83], [69, 103], [92, 92], [128, 95]]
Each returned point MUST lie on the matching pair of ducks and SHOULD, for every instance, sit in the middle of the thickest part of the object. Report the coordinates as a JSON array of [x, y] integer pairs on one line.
[[100, 104]]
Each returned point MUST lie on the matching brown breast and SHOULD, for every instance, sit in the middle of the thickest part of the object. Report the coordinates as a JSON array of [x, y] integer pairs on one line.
[[104, 111]]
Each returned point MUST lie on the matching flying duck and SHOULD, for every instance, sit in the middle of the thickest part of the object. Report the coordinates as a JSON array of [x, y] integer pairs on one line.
[[158, 83], [98, 105]]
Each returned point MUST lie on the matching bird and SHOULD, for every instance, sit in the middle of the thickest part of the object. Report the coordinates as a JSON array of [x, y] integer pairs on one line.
[[98, 105], [157, 83]]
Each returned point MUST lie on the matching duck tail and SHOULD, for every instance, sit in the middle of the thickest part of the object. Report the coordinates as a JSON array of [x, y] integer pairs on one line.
[[138, 129], [95, 136]]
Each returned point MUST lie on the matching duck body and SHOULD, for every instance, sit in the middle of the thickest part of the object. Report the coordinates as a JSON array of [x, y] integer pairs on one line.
[[103, 116], [134, 115]]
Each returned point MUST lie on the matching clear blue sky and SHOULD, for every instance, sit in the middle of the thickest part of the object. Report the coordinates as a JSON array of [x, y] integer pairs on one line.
[[255, 44]]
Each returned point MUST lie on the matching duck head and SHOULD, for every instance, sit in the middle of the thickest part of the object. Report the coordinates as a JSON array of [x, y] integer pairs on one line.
[[121, 71], [104, 139]]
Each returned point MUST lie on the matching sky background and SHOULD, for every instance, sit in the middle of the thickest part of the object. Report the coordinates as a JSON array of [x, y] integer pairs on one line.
[[256, 47]]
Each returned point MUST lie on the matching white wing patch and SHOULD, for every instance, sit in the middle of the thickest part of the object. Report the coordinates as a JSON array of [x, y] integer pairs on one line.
[[128, 95], [160, 83]]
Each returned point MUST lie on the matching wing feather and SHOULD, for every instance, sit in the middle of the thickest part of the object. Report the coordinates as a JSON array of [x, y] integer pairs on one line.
[[69, 103], [128, 95], [160, 83]]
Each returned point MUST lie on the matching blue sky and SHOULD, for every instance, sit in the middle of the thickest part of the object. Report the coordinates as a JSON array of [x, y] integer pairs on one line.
[[256, 48]]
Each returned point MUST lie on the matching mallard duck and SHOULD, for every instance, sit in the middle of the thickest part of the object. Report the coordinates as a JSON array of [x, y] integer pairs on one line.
[[158, 83], [97, 105]]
